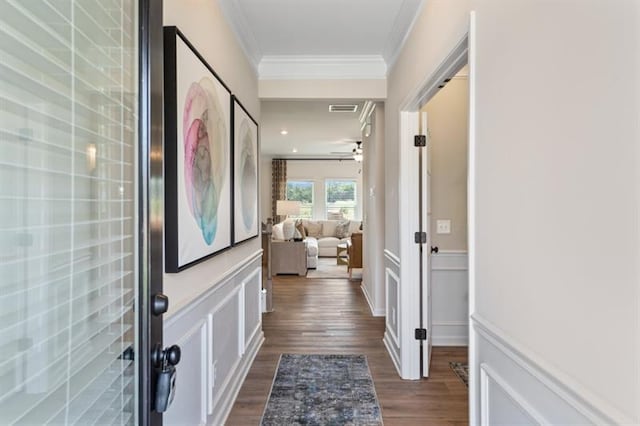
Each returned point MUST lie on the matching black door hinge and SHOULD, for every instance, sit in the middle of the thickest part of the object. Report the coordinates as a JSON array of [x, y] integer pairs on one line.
[[420, 140], [421, 334], [420, 237]]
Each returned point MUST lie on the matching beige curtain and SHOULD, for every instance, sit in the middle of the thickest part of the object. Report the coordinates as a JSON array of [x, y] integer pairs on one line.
[[278, 186]]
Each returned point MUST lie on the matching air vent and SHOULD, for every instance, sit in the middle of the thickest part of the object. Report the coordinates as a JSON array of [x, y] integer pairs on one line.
[[343, 108]]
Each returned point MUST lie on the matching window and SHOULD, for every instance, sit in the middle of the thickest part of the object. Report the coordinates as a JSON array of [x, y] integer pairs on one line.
[[341, 199], [301, 190]]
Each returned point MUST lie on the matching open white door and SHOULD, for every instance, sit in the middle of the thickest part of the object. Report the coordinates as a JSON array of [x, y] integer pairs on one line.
[[425, 218]]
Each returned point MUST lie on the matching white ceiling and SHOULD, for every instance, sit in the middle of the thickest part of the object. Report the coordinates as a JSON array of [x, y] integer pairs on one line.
[[268, 28], [312, 129], [317, 39]]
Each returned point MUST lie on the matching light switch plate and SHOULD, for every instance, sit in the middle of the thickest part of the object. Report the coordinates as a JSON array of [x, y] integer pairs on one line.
[[443, 226]]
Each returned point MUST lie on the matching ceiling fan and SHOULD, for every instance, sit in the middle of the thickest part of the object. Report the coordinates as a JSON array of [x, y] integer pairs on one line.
[[355, 153]]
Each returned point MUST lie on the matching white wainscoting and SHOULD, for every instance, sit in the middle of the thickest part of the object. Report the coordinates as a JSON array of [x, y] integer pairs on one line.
[[513, 388], [392, 307], [450, 293], [220, 334]]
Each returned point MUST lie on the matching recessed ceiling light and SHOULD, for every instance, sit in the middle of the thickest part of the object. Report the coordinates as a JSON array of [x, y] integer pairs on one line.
[[295, 150], [284, 132]]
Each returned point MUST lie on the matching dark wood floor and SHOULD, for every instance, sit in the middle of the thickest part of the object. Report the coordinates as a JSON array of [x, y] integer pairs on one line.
[[332, 316]]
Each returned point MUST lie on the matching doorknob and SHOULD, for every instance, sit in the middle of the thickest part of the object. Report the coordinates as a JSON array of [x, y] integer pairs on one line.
[[170, 355], [434, 249]]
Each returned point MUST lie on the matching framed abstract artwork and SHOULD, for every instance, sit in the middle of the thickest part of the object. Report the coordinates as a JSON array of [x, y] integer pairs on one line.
[[197, 156], [245, 174]]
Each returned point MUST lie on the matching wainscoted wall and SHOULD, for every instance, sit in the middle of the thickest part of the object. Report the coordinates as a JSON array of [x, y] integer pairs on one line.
[[220, 335], [392, 306], [516, 388], [450, 292]]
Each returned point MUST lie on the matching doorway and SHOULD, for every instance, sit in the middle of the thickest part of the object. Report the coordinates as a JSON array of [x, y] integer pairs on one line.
[[409, 336]]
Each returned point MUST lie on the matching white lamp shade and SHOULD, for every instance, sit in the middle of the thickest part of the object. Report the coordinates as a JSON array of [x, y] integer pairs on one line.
[[287, 207]]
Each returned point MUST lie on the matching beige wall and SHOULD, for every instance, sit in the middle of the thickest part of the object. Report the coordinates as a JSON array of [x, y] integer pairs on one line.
[[448, 118], [203, 24], [373, 277], [556, 179], [323, 89], [441, 24]]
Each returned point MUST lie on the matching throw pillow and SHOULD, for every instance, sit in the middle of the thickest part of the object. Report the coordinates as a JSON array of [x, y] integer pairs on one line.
[[300, 231], [276, 232], [289, 229], [314, 229], [342, 229], [354, 226]]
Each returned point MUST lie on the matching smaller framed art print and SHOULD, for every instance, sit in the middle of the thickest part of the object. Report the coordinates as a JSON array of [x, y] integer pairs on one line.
[[245, 174], [197, 156]]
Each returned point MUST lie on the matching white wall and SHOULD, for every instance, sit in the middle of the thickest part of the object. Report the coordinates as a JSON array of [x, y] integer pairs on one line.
[[214, 312], [373, 217], [320, 170], [556, 184]]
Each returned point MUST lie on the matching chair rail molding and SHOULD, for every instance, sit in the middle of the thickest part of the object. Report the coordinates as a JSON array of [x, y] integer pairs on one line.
[[546, 394]]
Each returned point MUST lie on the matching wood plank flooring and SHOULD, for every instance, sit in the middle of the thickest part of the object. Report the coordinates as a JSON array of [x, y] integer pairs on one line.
[[331, 316]]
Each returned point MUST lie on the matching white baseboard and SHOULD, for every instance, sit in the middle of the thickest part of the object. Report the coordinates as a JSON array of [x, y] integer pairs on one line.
[[450, 334], [515, 385], [393, 351], [375, 312]]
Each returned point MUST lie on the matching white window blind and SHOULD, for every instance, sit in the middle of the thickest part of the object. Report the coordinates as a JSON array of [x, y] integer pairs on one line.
[[68, 135]]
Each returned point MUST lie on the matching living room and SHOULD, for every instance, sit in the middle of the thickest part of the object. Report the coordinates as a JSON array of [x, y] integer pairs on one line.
[[312, 185]]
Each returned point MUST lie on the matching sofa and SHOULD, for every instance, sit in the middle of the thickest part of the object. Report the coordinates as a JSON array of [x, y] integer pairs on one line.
[[321, 236]]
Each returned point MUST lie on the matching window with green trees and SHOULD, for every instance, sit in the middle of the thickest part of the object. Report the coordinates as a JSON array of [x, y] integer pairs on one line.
[[341, 199], [300, 190]]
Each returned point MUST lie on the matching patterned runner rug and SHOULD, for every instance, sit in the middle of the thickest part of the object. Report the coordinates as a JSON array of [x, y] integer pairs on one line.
[[461, 370], [322, 390]]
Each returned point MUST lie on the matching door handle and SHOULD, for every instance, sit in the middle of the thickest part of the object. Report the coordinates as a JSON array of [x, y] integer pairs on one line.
[[165, 360], [434, 249]]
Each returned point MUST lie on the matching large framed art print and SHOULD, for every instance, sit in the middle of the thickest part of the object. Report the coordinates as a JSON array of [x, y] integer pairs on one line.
[[197, 156], [245, 174]]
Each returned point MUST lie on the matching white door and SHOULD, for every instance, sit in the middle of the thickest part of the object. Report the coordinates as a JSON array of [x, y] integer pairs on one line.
[[425, 210], [415, 292]]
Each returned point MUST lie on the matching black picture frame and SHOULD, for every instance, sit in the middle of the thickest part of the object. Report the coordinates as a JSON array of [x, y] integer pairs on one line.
[[245, 138], [197, 154]]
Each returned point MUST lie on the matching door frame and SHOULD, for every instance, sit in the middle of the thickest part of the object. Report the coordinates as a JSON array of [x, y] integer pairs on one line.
[[463, 52], [150, 201]]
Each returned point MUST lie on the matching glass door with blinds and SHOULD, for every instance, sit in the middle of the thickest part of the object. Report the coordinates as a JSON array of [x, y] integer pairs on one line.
[[68, 211]]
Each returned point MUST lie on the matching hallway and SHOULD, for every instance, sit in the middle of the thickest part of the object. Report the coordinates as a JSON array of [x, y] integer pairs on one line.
[[332, 316]]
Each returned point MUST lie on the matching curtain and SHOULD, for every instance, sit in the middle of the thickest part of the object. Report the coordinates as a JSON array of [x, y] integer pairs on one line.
[[278, 186]]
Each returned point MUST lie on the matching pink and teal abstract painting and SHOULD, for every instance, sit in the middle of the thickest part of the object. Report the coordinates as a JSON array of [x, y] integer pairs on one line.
[[204, 134]]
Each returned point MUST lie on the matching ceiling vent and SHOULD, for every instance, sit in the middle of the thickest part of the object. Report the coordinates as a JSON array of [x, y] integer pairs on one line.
[[343, 108]]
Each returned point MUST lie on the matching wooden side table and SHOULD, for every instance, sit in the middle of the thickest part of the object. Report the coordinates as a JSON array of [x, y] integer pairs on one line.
[[341, 254]]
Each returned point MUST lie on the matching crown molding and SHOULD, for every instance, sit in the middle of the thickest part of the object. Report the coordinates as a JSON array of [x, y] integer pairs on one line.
[[322, 67], [402, 27], [240, 26]]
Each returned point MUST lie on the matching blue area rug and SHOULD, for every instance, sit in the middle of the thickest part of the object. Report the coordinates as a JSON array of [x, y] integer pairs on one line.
[[322, 390]]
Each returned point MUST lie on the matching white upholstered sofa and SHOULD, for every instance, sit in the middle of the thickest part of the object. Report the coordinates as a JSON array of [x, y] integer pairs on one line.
[[322, 236]]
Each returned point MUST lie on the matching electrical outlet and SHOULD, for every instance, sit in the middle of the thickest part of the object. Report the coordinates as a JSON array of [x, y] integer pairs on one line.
[[443, 226]]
